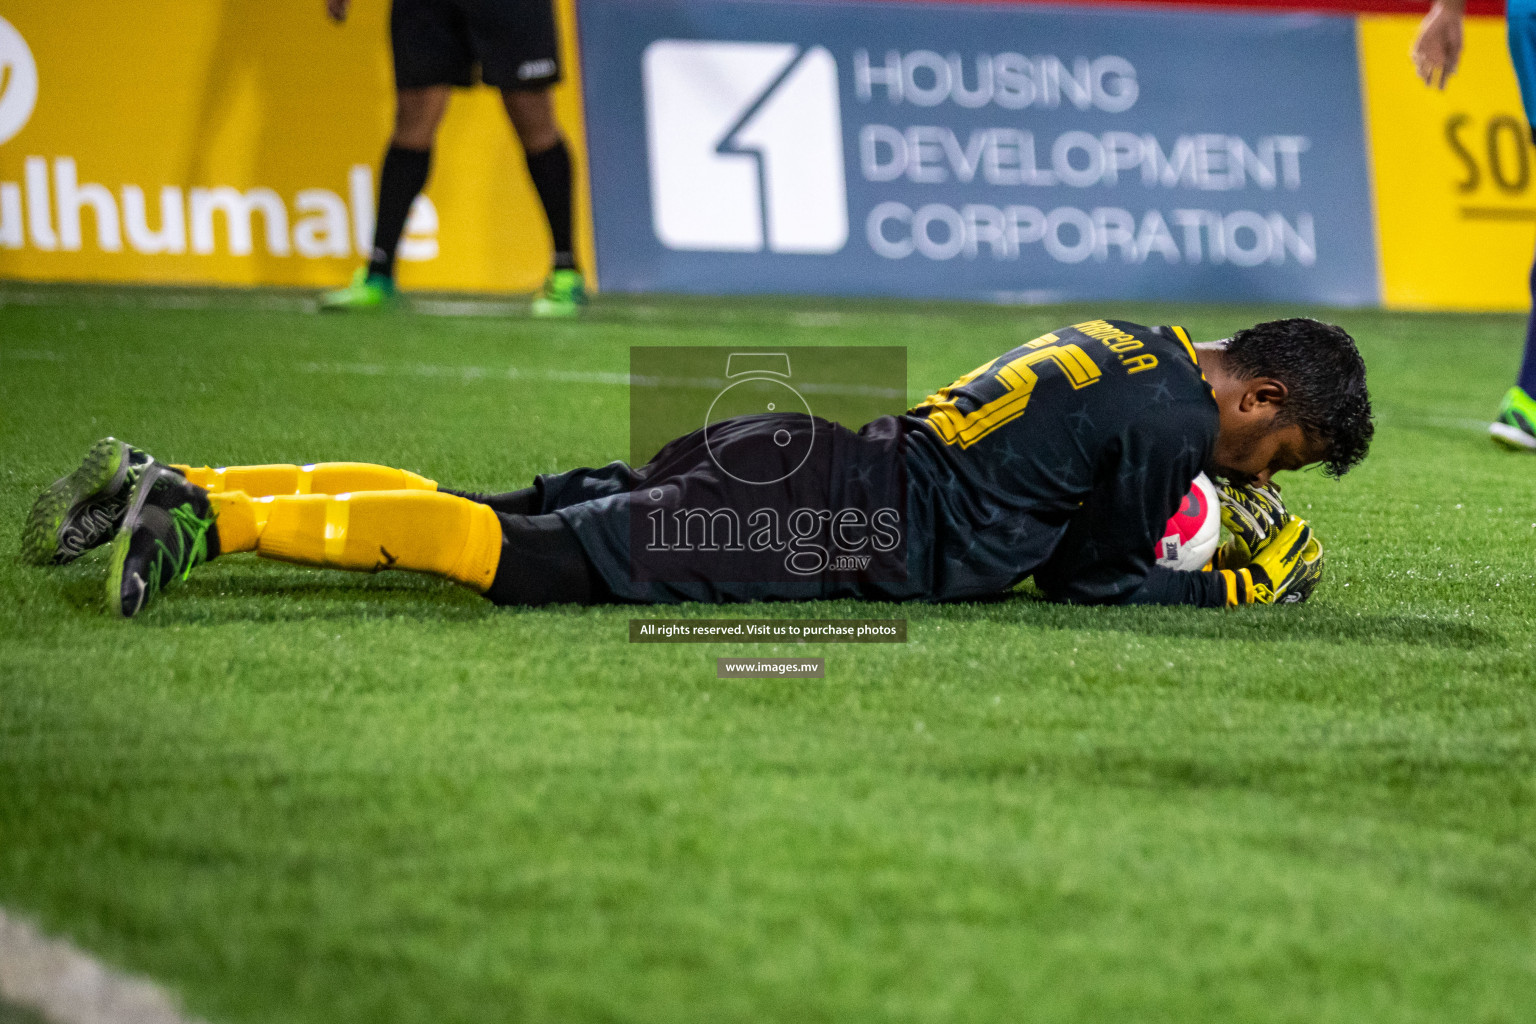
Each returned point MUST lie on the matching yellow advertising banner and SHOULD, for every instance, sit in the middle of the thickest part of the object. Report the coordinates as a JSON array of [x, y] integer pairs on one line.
[[1455, 198], [238, 141]]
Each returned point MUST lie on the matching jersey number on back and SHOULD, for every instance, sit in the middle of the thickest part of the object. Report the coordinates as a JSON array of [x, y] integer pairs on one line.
[[1018, 378]]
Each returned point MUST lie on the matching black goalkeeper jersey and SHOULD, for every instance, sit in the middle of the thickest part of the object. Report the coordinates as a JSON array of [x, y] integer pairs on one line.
[[1062, 459]]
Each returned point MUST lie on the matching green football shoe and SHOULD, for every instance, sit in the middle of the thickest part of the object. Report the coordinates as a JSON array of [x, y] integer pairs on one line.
[[166, 533], [1515, 428], [563, 294], [367, 291], [84, 509]]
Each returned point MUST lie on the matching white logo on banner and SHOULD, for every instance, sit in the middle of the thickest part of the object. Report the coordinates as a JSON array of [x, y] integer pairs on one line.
[[18, 81], [746, 147]]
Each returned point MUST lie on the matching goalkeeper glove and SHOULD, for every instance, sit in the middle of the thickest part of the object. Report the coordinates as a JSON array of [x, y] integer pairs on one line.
[[1284, 570], [1252, 515]]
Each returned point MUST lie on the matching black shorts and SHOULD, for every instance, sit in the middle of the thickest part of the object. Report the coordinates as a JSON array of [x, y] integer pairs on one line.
[[440, 42], [826, 520]]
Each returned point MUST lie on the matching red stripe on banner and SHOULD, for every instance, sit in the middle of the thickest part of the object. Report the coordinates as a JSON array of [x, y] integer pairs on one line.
[[1480, 7]]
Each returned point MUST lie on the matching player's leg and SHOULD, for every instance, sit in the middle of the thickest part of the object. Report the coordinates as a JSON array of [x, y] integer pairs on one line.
[[532, 114], [525, 502], [542, 562], [84, 509], [552, 491], [1515, 426], [317, 478], [432, 53], [403, 175], [549, 166], [515, 41], [172, 526]]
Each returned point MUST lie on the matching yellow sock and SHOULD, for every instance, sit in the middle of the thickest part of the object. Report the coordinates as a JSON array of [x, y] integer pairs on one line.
[[421, 531], [239, 519], [317, 478]]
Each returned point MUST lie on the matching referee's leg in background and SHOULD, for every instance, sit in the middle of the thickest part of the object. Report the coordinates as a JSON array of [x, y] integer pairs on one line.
[[439, 45]]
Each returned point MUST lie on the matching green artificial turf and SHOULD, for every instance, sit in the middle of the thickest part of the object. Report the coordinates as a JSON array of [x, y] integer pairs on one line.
[[312, 798], [12, 1014]]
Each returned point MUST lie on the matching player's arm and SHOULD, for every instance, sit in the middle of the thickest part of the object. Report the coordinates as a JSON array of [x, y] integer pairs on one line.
[[1171, 586], [1272, 558], [1284, 569], [1106, 555], [1437, 48]]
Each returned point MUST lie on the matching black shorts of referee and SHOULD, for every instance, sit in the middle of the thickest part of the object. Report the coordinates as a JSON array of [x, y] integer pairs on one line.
[[444, 42]]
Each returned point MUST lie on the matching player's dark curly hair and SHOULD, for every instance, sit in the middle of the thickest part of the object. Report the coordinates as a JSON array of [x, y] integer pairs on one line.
[[1325, 377]]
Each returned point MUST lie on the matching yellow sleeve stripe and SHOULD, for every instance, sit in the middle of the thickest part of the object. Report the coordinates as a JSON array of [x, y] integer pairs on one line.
[[1189, 348], [1240, 586], [1229, 578]]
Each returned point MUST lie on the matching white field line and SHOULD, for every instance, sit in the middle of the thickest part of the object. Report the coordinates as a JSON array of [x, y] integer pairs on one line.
[[67, 986], [468, 307], [299, 300], [470, 374], [1457, 422], [269, 302], [153, 298], [39, 355]]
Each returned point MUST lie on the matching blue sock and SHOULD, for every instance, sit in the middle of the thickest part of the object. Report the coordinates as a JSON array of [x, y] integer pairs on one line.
[[1527, 378]]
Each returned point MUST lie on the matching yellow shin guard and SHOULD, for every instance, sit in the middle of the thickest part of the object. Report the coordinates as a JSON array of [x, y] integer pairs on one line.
[[319, 478], [421, 531]]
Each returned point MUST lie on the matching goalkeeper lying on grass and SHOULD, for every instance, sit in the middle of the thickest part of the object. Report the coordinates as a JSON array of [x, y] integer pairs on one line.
[[1062, 459]]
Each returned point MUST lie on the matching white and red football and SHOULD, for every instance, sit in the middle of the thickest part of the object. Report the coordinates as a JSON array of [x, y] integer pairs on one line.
[[1193, 534]]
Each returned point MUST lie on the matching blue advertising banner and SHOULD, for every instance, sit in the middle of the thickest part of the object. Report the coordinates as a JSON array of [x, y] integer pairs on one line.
[[1003, 154]]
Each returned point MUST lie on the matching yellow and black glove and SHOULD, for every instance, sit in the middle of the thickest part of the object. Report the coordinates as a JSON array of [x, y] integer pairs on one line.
[[1252, 515], [1284, 569]]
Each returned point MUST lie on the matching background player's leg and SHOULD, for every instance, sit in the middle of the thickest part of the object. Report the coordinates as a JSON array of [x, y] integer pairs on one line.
[[407, 162], [421, 531], [1515, 426], [1527, 378], [430, 45], [318, 478], [549, 165]]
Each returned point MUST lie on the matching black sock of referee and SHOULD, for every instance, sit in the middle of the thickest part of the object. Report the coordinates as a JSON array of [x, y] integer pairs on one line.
[[551, 174], [401, 180]]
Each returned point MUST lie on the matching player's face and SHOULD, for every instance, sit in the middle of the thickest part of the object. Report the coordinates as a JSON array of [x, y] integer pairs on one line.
[[1255, 442], [1257, 451]]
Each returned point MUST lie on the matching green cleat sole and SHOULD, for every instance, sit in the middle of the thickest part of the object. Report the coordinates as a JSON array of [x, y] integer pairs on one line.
[[117, 558], [362, 295], [545, 308], [1512, 438], [563, 295], [344, 306], [97, 475]]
